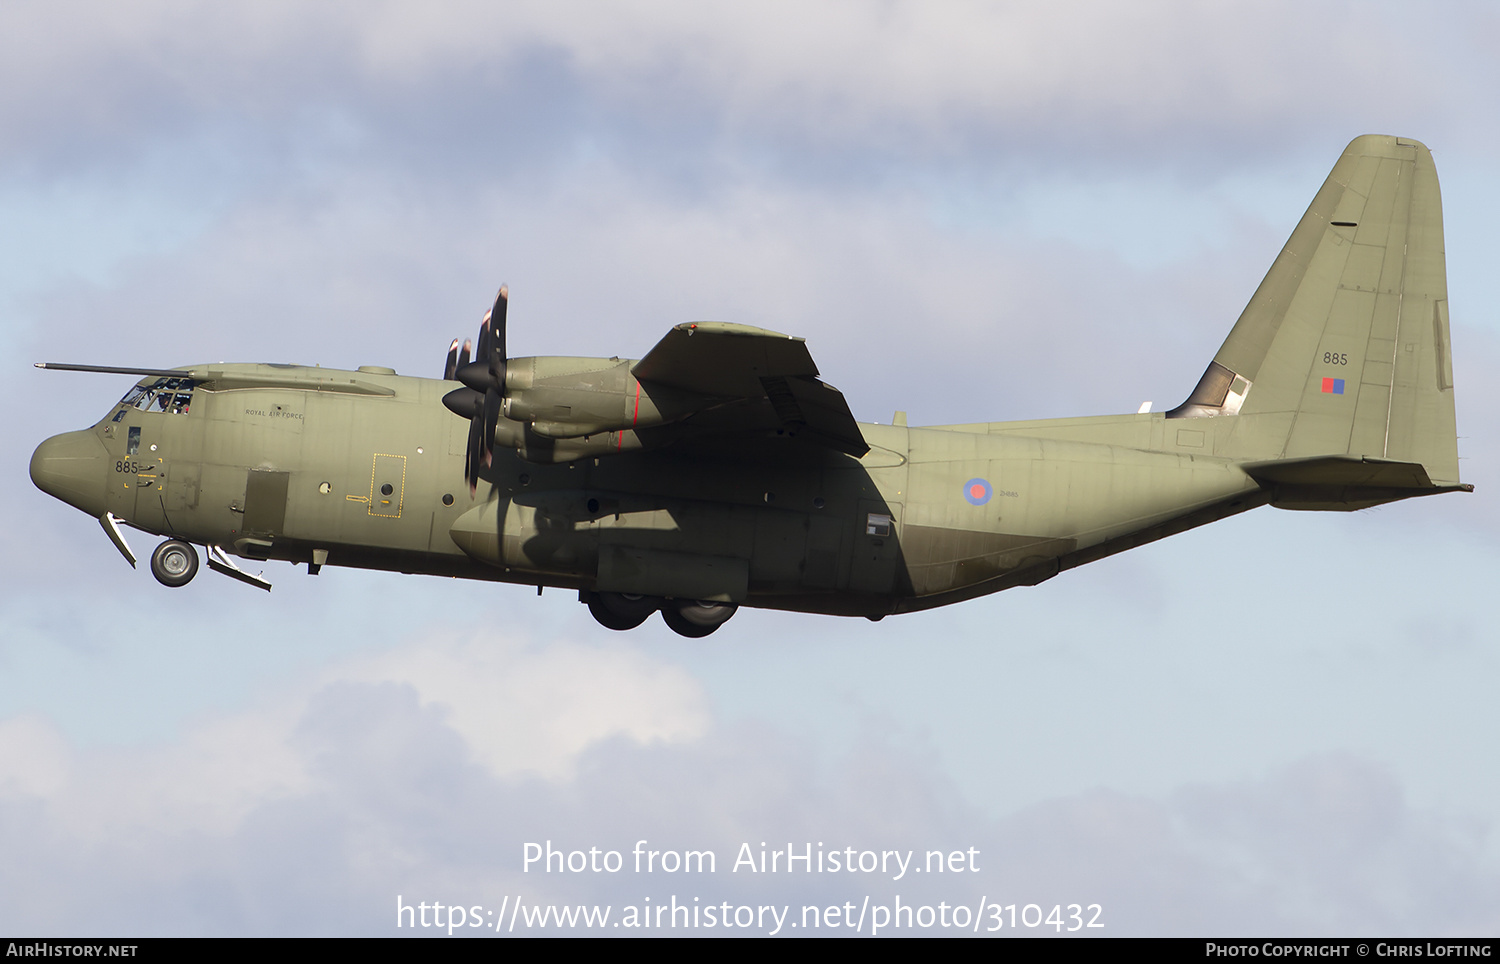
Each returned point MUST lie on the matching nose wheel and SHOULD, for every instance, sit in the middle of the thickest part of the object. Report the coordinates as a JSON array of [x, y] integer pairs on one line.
[[174, 563]]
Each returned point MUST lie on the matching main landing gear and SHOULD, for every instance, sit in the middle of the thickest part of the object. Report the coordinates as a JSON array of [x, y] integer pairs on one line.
[[174, 563], [621, 611], [694, 618]]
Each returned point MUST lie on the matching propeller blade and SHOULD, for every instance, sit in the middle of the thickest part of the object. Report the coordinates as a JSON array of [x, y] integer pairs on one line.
[[451, 368], [471, 458], [491, 419], [496, 326], [476, 375], [485, 393], [482, 351]]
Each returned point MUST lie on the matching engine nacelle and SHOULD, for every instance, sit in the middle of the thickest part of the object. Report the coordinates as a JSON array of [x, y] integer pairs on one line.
[[557, 409]]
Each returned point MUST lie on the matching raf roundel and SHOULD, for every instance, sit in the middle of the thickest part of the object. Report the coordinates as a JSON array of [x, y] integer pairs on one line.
[[977, 491]]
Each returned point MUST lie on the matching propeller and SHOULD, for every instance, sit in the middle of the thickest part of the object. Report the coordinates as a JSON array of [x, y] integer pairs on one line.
[[456, 359], [483, 394]]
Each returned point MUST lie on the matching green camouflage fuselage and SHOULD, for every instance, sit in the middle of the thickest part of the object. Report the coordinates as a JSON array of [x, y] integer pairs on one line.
[[720, 470], [280, 472]]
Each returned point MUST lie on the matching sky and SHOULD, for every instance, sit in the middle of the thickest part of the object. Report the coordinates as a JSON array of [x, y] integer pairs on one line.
[[1282, 724]]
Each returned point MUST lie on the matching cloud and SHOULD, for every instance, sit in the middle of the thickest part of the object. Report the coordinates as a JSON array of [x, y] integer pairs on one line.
[[34, 757], [899, 79], [1332, 838], [971, 211], [534, 712], [424, 771]]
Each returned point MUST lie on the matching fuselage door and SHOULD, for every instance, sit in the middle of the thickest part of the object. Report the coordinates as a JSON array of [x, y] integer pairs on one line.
[[265, 502], [137, 470], [387, 485]]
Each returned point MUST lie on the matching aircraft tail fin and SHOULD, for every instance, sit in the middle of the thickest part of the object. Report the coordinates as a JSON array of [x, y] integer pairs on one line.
[[1344, 348]]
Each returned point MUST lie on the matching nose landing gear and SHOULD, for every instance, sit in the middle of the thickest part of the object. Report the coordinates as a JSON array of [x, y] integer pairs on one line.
[[174, 563]]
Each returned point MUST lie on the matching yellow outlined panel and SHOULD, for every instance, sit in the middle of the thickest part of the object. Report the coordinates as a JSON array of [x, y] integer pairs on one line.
[[387, 470]]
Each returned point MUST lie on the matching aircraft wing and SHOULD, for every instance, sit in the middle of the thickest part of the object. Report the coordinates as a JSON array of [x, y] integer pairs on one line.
[[734, 362]]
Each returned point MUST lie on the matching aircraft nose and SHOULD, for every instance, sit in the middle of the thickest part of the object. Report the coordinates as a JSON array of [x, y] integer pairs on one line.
[[71, 467]]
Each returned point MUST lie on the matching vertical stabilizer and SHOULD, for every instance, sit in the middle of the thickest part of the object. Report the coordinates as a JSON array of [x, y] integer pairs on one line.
[[1344, 348]]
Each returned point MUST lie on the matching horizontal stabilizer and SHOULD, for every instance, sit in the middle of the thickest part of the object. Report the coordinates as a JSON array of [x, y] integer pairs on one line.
[[1344, 481]]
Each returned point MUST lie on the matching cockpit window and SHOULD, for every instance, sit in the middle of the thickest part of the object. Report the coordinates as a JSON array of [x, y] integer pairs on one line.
[[171, 395]]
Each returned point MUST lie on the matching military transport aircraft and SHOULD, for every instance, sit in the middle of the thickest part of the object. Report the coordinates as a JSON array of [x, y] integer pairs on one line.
[[719, 471]]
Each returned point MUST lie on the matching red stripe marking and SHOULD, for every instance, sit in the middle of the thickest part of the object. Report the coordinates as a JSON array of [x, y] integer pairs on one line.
[[634, 419]]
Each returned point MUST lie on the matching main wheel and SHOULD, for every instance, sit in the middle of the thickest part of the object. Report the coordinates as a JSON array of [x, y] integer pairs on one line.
[[174, 563], [696, 618], [618, 611]]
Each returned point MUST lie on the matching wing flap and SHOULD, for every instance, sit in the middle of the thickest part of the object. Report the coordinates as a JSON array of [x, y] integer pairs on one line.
[[813, 408], [731, 362]]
